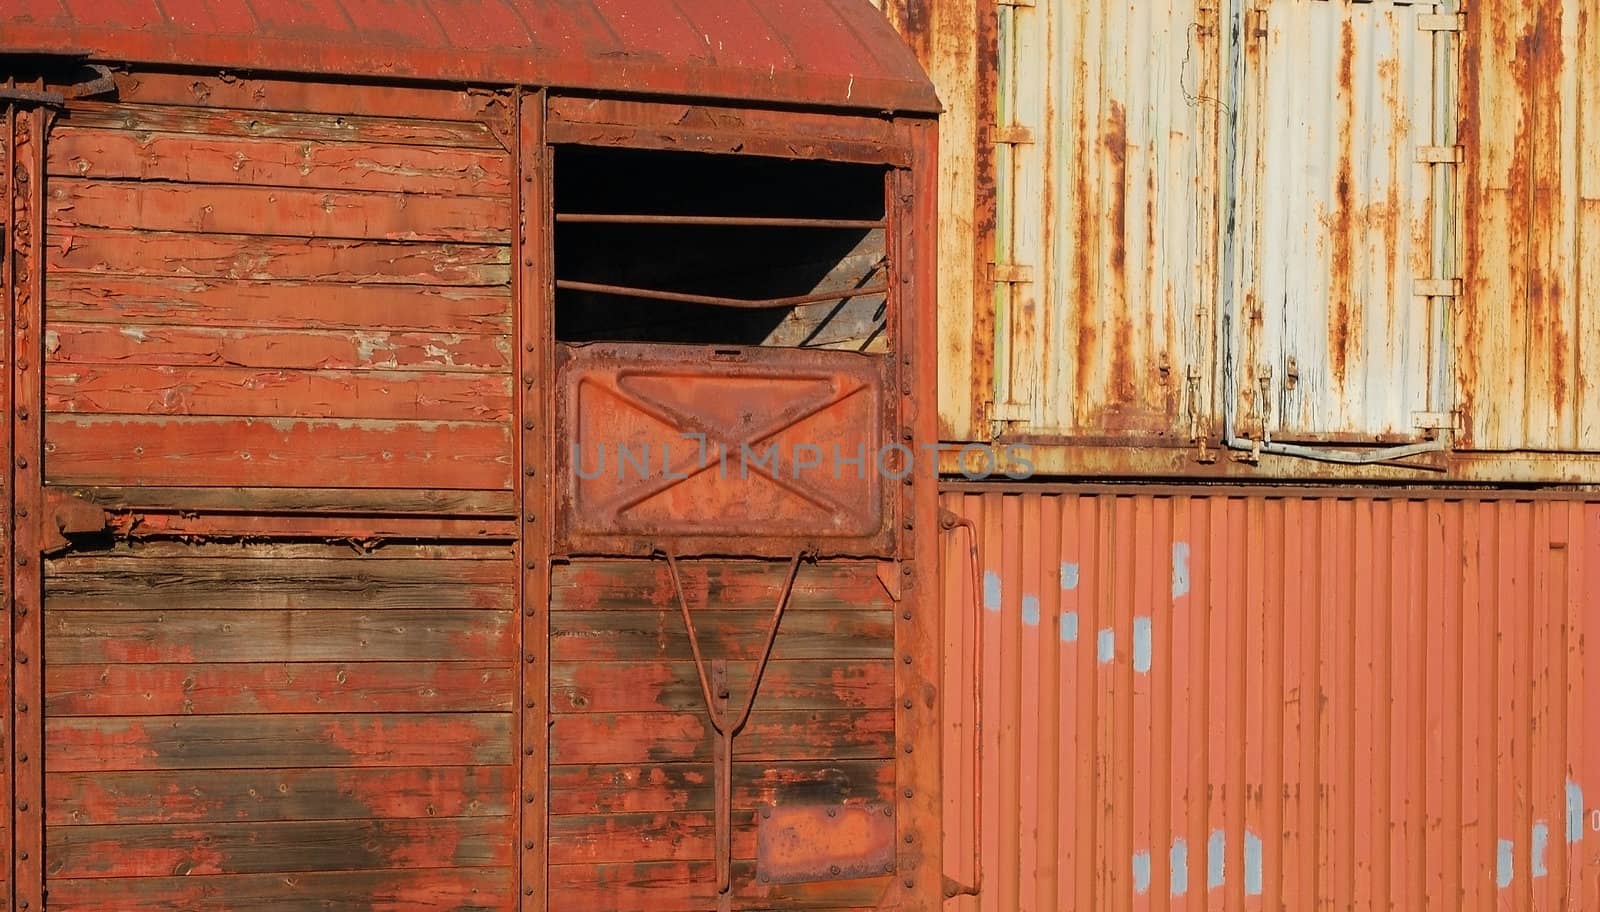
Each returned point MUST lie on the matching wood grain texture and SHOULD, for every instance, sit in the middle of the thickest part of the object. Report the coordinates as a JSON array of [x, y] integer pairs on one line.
[[273, 742], [149, 344], [75, 297], [649, 686], [278, 125], [428, 890], [222, 796], [362, 687], [309, 500], [189, 849], [633, 585], [136, 450], [655, 787], [666, 737], [589, 636], [331, 635], [690, 886]]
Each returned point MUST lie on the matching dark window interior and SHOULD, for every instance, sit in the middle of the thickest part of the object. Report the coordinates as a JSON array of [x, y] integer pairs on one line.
[[719, 249]]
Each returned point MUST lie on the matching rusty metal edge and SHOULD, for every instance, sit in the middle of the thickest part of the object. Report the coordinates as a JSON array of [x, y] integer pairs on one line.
[[27, 316], [7, 534], [533, 278], [1330, 491]]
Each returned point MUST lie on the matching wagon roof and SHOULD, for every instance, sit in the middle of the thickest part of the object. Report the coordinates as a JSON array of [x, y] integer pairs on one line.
[[830, 53]]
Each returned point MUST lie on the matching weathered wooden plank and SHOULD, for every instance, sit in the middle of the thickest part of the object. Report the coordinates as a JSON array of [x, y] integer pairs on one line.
[[220, 796], [425, 890], [125, 450], [72, 297], [274, 742], [386, 396], [591, 636], [166, 689], [212, 122], [391, 502], [633, 585], [673, 836], [151, 344], [657, 787], [398, 635], [665, 737], [691, 886], [278, 211], [218, 256], [188, 849], [652, 686], [133, 580], [333, 161]]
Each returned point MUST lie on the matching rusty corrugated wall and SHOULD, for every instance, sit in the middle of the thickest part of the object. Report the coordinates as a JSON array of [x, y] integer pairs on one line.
[[1348, 226], [1263, 700]]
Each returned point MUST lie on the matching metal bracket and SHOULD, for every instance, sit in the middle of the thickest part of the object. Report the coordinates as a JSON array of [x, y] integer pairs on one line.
[[1441, 22], [1010, 274], [814, 842], [1436, 421], [1436, 288], [1441, 155]]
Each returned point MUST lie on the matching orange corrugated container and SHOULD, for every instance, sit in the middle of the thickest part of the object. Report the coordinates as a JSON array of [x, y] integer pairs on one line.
[[1272, 699]]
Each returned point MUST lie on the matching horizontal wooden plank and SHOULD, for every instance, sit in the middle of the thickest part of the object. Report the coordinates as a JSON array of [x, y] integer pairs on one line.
[[278, 211], [633, 585], [281, 125], [188, 849], [334, 160], [675, 686], [309, 350], [673, 836], [275, 742], [173, 636], [425, 890], [161, 690], [129, 389], [691, 886], [665, 737], [220, 796], [74, 297], [391, 502], [103, 582], [590, 636], [218, 256], [656, 787], [128, 450]]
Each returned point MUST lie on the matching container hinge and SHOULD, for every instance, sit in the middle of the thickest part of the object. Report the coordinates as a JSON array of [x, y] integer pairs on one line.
[[1441, 22], [1028, 3], [1437, 288], [1441, 155], [1010, 411], [1010, 274], [1436, 421], [1010, 134]]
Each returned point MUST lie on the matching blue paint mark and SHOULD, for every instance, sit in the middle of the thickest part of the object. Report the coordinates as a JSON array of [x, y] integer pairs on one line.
[[1574, 812], [1503, 864], [1180, 867], [1030, 610], [1252, 864], [1141, 644], [1069, 627], [1141, 873], [1215, 847], [1106, 645], [991, 590], [1180, 569], [1541, 841], [1069, 575]]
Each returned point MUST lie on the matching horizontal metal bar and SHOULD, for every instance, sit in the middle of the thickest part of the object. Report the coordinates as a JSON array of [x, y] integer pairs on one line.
[[625, 291], [10, 93], [721, 221]]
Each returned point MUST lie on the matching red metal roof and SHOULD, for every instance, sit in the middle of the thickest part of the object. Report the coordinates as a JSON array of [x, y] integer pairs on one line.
[[835, 53]]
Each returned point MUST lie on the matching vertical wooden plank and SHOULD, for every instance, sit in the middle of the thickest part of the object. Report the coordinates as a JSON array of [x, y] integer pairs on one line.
[[27, 353], [9, 476], [534, 276]]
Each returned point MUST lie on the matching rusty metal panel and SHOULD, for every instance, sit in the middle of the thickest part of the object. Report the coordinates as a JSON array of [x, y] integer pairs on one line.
[[1328, 335], [1195, 698], [808, 843], [749, 451], [1531, 103], [835, 53]]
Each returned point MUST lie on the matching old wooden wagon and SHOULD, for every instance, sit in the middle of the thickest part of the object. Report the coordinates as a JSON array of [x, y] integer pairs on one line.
[[461, 456]]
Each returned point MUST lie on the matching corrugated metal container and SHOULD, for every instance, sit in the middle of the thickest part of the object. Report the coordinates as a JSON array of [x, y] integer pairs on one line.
[[1259, 700], [1346, 240]]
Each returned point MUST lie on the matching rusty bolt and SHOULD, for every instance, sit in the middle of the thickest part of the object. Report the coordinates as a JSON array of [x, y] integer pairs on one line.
[[528, 892], [22, 659], [22, 805], [24, 855], [905, 569], [907, 793], [22, 413], [906, 614], [763, 878], [529, 845], [22, 511], [531, 704], [23, 757], [22, 561], [527, 425], [910, 883], [833, 812], [889, 868], [530, 798], [834, 870], [532, 612], [530, 471], [766, 812], [527, 751], [909, 838], [909, 748], [906, 658], [910, 525], [532, 658], [908, 703], [533, 565], [532, 518], [22, 707], [22, 462]]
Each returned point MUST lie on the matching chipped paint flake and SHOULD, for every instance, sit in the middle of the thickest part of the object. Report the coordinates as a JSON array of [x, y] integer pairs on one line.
[[1574, 812], [1539, 844], [1252, 864], [1030, 610], [1069, 627], [1180, 569], [991, 590], [1141, 645], [1069, 575], [1180, 866], [1106, 645], [1141, 872], [1216, 868], [1504, 866]]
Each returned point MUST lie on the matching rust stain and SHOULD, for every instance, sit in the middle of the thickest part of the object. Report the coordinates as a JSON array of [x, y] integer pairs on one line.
[[1341, 237]]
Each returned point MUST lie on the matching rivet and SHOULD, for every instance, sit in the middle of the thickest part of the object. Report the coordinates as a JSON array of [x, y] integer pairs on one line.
[[910, 525], [22, 805], [910, 883], [888, 812], [22, 707], [528, 751], [834, 870], [24, 855], [528, 379], [527, 425], [22, 461], [905, 570], [908, 479], [527, 177], [766, 812], [530, 704], [22, 561], [909, 838], [22, 659], [530, 798], [529, 845], [22, 511], [22, 413], [907, 793], [527, 261], [532, 518], [531, 346], [833, 812], [22, 904], [528, 892], [531, 612], [906, 658], [907, 704], [906, 614], [23, 757], [909, 748], [530, 471], [532, 658], [763, 880]]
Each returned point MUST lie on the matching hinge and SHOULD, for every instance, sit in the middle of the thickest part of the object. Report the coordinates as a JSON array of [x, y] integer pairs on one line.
[[1440, 22], [1010, 274], [1255, 23], [1010, 134], [1010, 411], [1436, 288], [1436, 421], [1014, 3], [1441, 155]]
